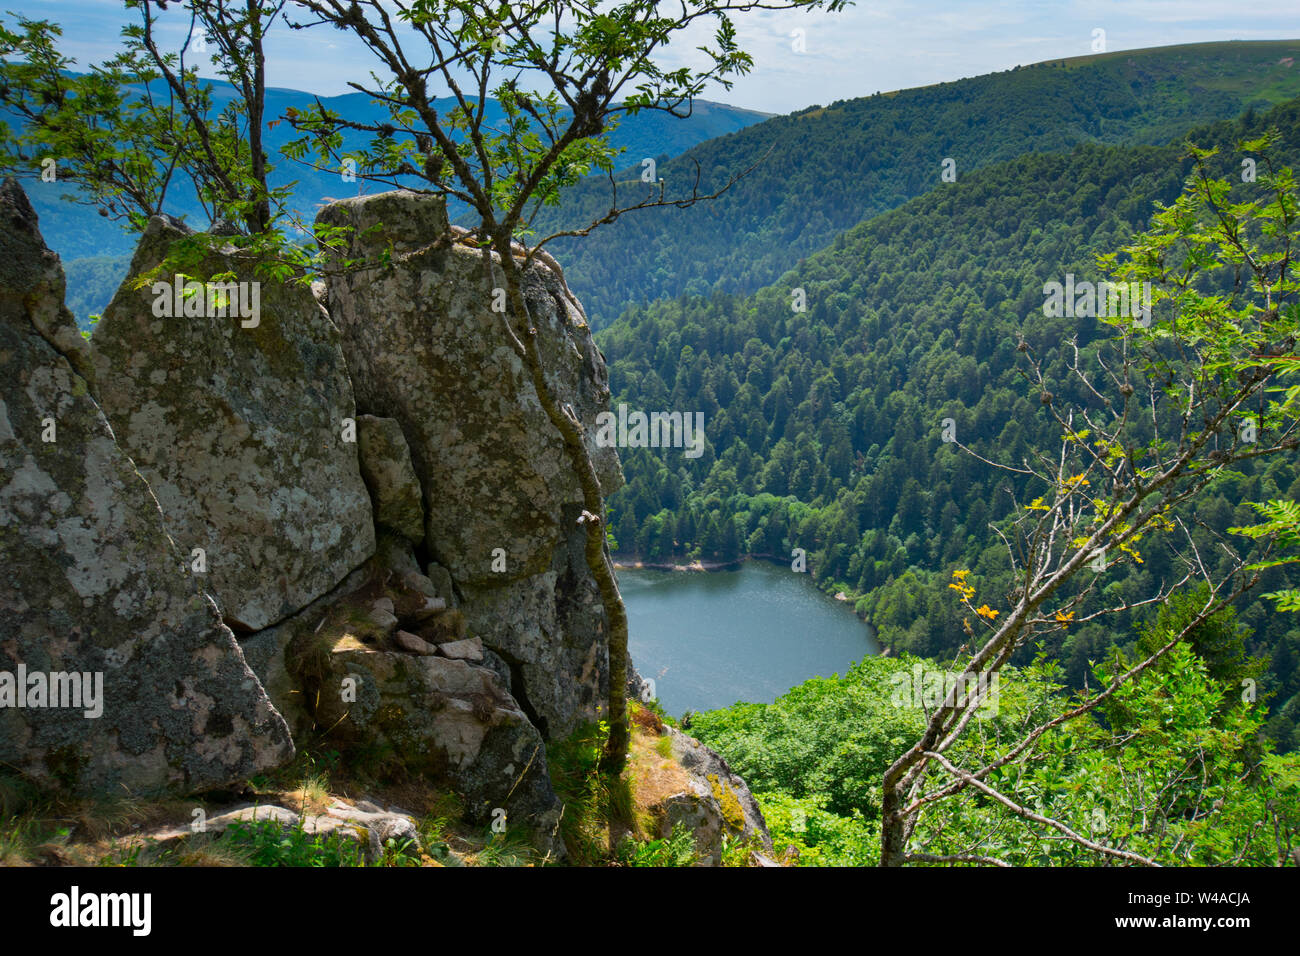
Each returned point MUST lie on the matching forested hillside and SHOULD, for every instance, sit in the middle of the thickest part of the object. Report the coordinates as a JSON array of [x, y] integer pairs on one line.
[[824, 426], [824, 169], [91, 284]]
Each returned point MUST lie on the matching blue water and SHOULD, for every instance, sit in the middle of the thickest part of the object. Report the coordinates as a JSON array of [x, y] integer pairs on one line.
[[711, 639]]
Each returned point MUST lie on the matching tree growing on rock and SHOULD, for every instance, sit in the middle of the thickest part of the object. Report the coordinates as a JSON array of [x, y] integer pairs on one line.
[[136, 131], [563, 74]]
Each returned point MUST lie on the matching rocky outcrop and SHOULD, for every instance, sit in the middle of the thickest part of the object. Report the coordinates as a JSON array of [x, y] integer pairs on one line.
[[116, 672], [693, 787], [736, 805], [373, 498], [426, 348], [237, 408]]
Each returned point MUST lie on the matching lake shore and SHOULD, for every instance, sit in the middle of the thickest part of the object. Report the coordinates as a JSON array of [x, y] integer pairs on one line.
[[634, 564]]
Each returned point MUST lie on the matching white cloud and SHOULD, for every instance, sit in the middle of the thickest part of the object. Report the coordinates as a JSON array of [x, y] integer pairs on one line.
[[876, 45]]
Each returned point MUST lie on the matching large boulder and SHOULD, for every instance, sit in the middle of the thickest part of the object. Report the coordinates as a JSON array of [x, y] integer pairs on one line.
[[243, 425], [426, 348], [96, 600], [740, 811]]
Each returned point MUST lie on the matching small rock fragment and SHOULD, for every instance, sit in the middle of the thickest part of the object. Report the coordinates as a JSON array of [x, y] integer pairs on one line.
[[470, 649], [416, 645]]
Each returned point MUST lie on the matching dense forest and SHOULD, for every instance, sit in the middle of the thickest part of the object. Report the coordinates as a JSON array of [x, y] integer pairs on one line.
[[819, 171], [824, 426]]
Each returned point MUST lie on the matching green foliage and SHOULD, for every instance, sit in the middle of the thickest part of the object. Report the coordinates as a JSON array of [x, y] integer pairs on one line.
[[1167, 772], [1179, 781], [594, 802], [506, 849], [77, 232], [19, 838], [676, 850], [1282, 525], [824, 427], [142, 132], [738, 851], [78, 123], [1220, 643], [830, 735], [818, 836], [266, 843], [562, 84]]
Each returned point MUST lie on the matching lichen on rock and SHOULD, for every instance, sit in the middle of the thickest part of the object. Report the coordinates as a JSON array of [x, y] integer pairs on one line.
[[93, 583], [244, 431], [426, 349]]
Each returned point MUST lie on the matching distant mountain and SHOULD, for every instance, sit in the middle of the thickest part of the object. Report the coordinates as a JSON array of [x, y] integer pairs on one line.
[[77, 231], [821, 170]]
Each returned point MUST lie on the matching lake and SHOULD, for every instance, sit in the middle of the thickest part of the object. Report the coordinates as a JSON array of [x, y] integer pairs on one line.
[[711, 639]]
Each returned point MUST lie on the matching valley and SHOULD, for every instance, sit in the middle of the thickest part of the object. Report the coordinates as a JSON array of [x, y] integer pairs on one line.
[[521, 459]]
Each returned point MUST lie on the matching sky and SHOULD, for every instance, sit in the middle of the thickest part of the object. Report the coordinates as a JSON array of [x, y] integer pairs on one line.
[[874, 46]]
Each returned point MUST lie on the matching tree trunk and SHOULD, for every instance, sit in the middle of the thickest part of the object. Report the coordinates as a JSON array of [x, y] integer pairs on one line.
[[893, 828], [599, 561]]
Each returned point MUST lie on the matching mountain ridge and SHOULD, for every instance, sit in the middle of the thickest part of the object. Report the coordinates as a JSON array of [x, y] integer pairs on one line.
[[830, 167]]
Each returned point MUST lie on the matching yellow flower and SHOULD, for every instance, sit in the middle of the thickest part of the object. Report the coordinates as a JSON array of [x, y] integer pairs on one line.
[[1064, 619], [1037, 505], [985, 611], [1128, 548]]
